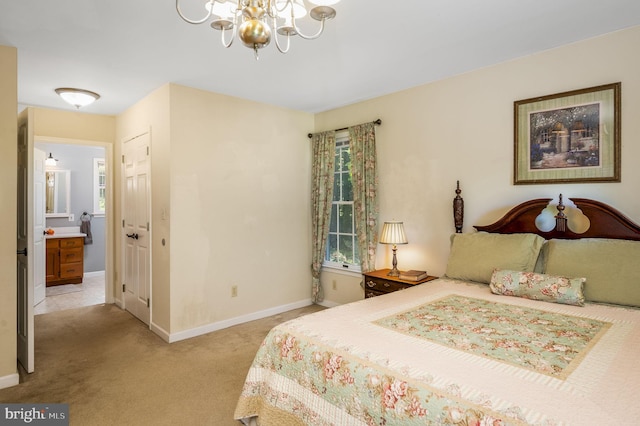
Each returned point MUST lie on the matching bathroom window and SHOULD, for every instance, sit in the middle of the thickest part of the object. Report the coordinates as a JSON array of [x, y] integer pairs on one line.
[[99, 186]]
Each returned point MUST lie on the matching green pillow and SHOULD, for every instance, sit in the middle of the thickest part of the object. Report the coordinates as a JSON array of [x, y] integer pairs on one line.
[[531, 285], [611, 267], [474, 256]]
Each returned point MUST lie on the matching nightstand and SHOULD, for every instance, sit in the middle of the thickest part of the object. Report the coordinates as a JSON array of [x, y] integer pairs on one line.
[[378, 282]]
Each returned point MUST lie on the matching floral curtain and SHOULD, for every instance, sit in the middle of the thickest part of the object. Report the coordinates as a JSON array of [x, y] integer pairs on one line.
[[324, 149], [364, 176]]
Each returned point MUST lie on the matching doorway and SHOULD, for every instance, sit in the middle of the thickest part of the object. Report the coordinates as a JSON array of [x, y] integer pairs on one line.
[[82, 199]]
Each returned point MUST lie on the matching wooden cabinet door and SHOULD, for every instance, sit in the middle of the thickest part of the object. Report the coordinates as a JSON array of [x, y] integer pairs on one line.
[[52, 260], [65, 264]]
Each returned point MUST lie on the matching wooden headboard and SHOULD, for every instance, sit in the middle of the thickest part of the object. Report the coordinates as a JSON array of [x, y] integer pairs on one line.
[[605, 221]]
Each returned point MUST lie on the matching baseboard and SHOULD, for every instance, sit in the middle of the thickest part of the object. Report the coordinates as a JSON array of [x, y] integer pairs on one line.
[[198, 331], [9, 381], [93, 274], [164, 334], [329, 304]]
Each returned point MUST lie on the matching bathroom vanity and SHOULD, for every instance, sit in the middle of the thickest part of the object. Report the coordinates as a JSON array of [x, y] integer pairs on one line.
[[65, 259]]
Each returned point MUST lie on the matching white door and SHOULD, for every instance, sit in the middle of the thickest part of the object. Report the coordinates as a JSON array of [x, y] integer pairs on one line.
[[39, 224], [25, 249], [136, 233]]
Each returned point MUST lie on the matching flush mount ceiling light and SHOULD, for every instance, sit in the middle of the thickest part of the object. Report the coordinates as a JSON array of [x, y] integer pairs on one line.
[[77, 97], [249, 20]]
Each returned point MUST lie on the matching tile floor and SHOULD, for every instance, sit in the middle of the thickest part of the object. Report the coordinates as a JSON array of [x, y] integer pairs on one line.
[[69, 296]]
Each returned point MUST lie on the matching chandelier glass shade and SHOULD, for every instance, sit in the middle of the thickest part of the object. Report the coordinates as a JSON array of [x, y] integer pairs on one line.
[[257, 22]]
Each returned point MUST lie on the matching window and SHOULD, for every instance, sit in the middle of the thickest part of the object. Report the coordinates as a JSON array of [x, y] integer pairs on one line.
[[342, 247], [99, 186]]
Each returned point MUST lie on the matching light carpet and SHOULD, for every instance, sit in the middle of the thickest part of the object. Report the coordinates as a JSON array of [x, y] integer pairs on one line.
[[111, 369]]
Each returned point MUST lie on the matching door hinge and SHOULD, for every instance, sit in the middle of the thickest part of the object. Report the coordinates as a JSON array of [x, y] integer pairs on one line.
[[124, 286], [123, 223], [147, 226], [122, 158], [148, 302], [147, 150]]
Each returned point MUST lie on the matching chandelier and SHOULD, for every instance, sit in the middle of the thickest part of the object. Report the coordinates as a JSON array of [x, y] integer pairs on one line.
[[249, 20]]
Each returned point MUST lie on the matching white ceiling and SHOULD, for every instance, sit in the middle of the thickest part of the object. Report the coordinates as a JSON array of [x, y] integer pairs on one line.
[[124, 49]]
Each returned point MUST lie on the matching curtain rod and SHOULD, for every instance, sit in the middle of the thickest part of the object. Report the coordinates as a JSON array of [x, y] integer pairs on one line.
[[376, 122]]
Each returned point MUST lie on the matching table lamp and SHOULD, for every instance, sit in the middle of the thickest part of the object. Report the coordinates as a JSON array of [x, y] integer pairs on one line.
[[393, 233]]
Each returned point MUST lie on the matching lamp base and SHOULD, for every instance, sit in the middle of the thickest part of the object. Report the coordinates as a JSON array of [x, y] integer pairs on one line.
[[394, 272]]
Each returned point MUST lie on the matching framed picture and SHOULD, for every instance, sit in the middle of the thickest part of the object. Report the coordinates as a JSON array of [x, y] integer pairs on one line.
[[568, 137]]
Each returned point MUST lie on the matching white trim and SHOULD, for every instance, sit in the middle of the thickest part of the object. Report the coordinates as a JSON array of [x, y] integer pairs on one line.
[[338, 267], [110, 248], [96, 184], [329, 304], [93, 274], [204, 329], [341, 271], [9, 380], [164, 334]]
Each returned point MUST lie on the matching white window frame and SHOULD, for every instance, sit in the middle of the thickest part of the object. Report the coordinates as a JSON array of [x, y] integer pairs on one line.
[[347, 268], [97, 211]]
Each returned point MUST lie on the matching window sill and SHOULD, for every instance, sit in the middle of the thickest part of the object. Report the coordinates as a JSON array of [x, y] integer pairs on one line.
[[335, 270]]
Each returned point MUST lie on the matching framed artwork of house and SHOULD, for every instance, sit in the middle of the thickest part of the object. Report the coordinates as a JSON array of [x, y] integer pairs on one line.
[[568, 137]]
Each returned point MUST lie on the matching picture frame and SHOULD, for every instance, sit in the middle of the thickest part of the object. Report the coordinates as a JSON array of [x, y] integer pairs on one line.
[[568, 137]]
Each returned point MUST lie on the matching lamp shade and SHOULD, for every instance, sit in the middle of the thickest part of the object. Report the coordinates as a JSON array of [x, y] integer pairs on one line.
[[393, 233]]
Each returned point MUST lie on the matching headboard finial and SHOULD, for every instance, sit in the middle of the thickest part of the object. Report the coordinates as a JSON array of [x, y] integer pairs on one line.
[[458, 209], [561, 218]]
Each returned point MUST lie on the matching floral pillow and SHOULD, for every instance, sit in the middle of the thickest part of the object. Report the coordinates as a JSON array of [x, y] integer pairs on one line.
[[531, 285]]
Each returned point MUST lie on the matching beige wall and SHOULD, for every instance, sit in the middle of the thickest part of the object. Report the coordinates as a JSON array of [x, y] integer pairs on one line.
[[8, 215], [72, 125], [461, 128], [230, 198], [239, 207]]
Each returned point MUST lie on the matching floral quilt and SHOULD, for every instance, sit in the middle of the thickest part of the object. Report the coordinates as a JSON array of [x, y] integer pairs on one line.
[[448, 353], [546, 342]]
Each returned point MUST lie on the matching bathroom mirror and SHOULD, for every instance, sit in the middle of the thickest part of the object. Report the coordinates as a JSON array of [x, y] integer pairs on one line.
[[58, 200]]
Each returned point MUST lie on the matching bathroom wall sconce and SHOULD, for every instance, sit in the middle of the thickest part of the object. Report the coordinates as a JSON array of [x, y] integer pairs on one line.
[[50, 161], [77, 97]]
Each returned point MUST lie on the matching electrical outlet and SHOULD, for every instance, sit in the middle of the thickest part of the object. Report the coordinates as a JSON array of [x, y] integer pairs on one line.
[[334, 285], [72, 217], [234, 291]]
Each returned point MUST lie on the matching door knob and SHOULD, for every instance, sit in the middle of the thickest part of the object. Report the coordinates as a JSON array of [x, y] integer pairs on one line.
[[23, 251], [134, 236]]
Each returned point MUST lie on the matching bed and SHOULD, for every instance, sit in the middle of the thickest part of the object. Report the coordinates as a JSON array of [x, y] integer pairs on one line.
[[528, 327]]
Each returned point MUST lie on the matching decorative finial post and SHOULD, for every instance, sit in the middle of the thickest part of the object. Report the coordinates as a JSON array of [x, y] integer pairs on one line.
[[561, 218], [458, 209]]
